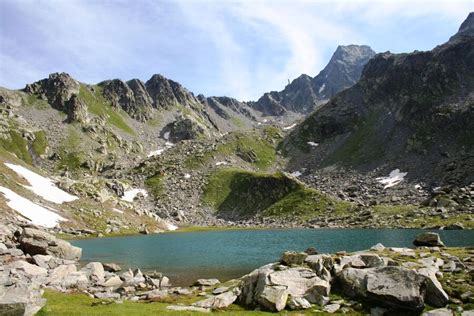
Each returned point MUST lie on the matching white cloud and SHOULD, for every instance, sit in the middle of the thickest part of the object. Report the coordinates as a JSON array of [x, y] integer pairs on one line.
[[237, 48]]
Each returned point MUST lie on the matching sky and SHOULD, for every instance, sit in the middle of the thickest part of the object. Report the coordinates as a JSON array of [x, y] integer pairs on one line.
[[222, 47]]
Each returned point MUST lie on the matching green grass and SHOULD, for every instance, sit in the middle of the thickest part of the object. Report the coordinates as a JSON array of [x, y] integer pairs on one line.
[[237, 193], [363, 145], [70, 151], [40, 143], [241, 143], [75, 304], [99, 106], [237, 121], [17, 145], [155, 185], [33, 101]]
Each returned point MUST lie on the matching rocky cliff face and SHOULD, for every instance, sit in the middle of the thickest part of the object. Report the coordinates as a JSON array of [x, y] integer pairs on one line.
[[304, 93], [410, 111]]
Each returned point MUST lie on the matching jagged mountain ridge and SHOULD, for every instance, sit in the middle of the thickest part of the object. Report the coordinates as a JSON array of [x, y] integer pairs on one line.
[[304, 93], [409, 111]]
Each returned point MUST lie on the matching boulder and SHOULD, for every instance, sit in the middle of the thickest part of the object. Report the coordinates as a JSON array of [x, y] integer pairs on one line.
[[113, 282], [331, 308], [299, 281], [439, 312], [293, 258], [394, 287], [222, 300], [298, 303], [29, 269], [95, 272], [207, 282], [67, 276], [273, 298], [111, 267], [435, 295], [428, 239], [21, 299], [37, 242]]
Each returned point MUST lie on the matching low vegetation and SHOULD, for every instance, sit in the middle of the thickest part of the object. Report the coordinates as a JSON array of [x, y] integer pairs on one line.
[[235, 193], [258, 148], [17, 145], [99, 106], [40, 143]]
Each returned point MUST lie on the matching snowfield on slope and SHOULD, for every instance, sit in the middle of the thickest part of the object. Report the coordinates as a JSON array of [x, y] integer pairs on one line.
[[42, 186], [130, 195], [37, 214], [394, 178]]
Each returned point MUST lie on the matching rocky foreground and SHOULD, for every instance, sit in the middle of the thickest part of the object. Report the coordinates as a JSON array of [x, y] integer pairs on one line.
[[429, 280]]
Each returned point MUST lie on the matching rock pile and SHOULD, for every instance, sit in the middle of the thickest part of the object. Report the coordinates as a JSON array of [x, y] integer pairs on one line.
[[32, 259]]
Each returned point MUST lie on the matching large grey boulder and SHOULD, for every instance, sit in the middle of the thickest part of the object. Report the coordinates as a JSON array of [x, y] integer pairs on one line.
[[428, 239], [394, 287], [435, 295], [95, 272], [271, 285], [222, 300], [29, 269], [34, 242], [67, 276], [273, 298], [21, 299]]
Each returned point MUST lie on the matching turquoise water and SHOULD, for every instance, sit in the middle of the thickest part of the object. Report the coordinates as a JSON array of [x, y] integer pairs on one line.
[[185, 257]]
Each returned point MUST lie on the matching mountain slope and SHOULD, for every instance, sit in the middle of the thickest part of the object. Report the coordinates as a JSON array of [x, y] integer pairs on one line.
[[409, 111], [304, 93]]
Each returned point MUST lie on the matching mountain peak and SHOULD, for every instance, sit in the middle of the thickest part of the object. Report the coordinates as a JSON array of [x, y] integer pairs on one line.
[[466, 28]]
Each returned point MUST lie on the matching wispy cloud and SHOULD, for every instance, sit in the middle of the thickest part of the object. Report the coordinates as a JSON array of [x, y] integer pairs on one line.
[[236, 48]]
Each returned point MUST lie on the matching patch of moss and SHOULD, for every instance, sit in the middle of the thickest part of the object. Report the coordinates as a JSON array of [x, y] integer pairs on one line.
[[155, 185], [40, 143], [98, 105], [17, 145]]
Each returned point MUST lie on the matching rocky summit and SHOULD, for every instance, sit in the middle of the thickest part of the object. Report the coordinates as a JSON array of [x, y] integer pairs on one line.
[[375, 140]]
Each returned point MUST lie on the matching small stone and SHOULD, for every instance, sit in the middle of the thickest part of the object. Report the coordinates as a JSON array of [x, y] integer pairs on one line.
[[207, 282], [331, 308]]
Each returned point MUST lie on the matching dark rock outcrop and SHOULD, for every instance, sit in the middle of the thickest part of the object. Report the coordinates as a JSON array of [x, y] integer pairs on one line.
[[304, 93], [57, 89], [131, 97], [409, 111]]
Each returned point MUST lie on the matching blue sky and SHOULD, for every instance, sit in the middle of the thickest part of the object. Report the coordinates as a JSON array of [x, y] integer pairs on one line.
[[235, 48]]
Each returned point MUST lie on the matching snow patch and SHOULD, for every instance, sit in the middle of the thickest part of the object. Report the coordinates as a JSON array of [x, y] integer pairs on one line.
[[157, 152], [170, 226], [394, 178], [295, 174], [322, 88], [418, 187], [131, 194], [166, 135], [117, 210], [289, 127], [219, 163], [42, 186], [160, 150], [37, 214], [187, 176], [313, 144]]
